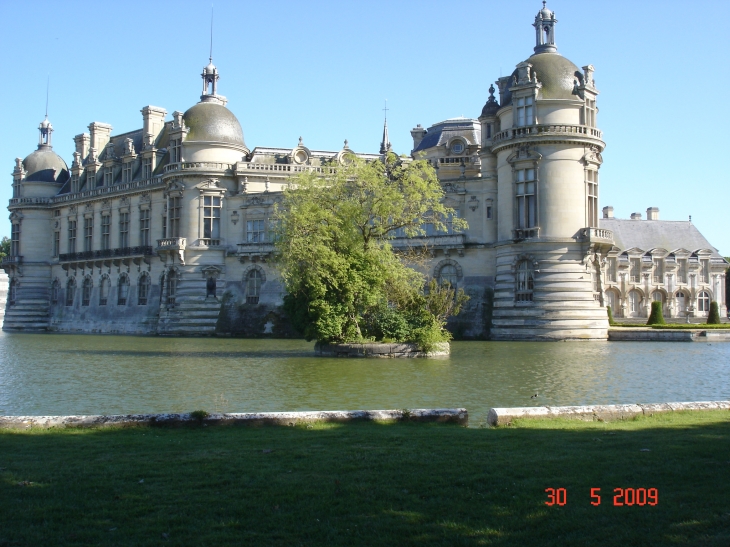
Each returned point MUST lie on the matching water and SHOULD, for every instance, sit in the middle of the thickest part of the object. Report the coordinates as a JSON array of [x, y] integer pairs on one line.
[[47, 374]]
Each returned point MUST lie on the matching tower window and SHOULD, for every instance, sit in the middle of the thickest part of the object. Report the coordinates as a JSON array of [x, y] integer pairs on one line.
[[592, 197], [526, 201], [175, 209], [524, 282], [524, 111], [211, 217], [15, 239], [590, 113], [175, 151]]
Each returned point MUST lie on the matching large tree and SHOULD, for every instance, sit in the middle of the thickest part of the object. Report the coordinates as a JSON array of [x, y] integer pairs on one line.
[[344, 281]]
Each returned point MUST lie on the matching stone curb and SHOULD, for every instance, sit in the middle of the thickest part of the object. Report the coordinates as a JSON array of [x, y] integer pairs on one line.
[[420, 415], [503, 416], [379, 350]]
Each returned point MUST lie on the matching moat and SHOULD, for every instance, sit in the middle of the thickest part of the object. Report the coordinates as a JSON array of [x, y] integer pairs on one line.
[[45, 374]]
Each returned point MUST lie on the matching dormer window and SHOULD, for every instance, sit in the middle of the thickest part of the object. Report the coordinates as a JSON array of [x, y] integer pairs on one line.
[[590, 113], [175, 151], [524, 111], [147, 168], [127, 172], [457, 148], [108, 176]]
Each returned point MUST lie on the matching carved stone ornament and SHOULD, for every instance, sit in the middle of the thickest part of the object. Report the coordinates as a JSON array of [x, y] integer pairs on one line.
[[128, 146], [106, 204], [124, 202], [593, 155], [72, 210], [89, 207], [15, 217], [524, 153], [209, 183], [145, 198], [473, 203], [211, 271]]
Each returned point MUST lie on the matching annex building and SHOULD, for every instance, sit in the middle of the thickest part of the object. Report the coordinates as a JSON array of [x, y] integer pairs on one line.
[[165, 229]]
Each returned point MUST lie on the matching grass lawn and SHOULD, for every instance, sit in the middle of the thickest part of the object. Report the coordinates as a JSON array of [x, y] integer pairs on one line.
[[369, 484]]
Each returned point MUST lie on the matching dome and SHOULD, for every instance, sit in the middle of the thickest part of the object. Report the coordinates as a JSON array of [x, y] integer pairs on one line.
[[546, 13], [212, 122], [556, 74], [44, 165], [210, 69]]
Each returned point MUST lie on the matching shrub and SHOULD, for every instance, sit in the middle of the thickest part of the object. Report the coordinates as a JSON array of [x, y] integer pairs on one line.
[[714, 317], [610, 315], [656, 317]]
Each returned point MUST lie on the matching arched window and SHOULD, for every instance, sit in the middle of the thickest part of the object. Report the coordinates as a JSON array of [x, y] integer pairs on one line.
[[634, 302], [143, 290], [448, 275], [171, 287], [86, 291], [657, 296], [253, 287], [681, 302], [104, 291], [612, 300], [703, 302], [12, 291], [123, 290], [525, 282], [55, 289], [70, 291]]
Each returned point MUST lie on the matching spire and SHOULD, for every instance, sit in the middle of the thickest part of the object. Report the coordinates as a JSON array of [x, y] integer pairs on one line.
[[45, 128], [385, 143], [545, 30], [210, 73]]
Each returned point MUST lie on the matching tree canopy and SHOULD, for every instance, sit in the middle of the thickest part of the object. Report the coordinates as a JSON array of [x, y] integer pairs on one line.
[[344, 281]]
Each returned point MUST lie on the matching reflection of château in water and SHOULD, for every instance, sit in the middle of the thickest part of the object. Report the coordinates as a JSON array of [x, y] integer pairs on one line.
[[166, 229]]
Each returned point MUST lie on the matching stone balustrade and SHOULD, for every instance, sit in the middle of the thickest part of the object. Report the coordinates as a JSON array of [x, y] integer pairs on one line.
[[548, 130], [450, 241], [242, 167], [120, 252], [197, 166], [12, 260], [103, 190], [596, 235], [171, 244], [30, 201], [525, 233], [254, 250]]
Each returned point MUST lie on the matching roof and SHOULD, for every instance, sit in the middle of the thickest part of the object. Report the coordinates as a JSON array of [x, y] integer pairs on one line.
[[44, 165], [557, 74], [656, 234], [440, 133]]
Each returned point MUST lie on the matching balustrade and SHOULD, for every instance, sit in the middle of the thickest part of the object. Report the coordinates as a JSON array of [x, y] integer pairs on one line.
[[120, 252], [171, 243], [548, 129]]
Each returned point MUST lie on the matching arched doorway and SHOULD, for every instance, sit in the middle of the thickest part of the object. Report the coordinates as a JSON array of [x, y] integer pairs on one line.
[[634, 303], [682, 302]]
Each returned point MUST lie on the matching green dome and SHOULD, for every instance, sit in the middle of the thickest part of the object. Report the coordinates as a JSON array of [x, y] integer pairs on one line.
[[44, 165], [556, 74], [213, 122]]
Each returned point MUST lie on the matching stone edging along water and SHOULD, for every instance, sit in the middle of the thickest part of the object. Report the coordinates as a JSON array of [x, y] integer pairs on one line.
[[635, 334], [442, 415], [376, 349], [503, 416]]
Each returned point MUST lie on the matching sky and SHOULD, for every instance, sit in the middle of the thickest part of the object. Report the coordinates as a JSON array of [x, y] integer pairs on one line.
[[323, 69]]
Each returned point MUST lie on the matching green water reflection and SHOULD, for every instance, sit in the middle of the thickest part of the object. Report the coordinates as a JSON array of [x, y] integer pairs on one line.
[[74, 374]]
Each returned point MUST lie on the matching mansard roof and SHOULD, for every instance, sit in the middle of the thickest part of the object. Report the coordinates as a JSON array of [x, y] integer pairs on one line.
[[440, 133]]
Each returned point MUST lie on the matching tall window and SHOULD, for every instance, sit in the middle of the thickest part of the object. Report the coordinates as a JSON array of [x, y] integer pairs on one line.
[[175, 151], [253, 287], [86, 292], [175, 208], [144, 227], [255, 231], [56, 243], [704, 271], [524, 111], [15, 239], [590, 113], [164, 226], [74, 183], [70, 291], [657, 296], [634, 301], [106, 221], [703, 302], [682, 270], [124, 229], [171, 288], [71, 236], [635, 270], [448, 275], [526, 204], [592, 197], [123, 290], [55, 289], [525, 282], [108, 176], [127, 172], [143, 290], [104, 291], [88, 234], [12, 291], [211, 217], [147, 168], [658, 270], [611, 270], [90, 180]]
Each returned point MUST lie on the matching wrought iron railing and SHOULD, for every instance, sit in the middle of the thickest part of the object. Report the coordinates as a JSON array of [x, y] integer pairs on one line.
[[120, 252]]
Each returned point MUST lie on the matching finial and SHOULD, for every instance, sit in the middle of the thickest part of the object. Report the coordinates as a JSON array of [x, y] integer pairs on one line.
[[386, 110], [491, 90], [48, 86], [300, 142], [544, 4], [345, 143], [690, 218]]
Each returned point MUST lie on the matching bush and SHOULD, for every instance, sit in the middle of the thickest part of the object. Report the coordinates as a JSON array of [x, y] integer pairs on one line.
[[610, 315], [656, 317], [714, 317]]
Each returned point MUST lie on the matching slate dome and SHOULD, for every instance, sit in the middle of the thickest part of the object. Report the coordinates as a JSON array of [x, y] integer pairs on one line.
[[44, 165], [556, 74], [213, 122]]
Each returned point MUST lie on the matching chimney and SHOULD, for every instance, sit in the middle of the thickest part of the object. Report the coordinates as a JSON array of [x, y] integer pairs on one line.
[[82, 144], [608, 212], [153, 120], [100, 133], [652, 213], [635, 216], [417, 133]]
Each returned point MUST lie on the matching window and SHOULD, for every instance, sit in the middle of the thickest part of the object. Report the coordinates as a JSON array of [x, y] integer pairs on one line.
[[74, 183], [253, 287], [144, 227], [143, 290], [489, 130], [106, 221], [448, 275], [55, 289], [175, 210], [104, 291], [171, 288], [15, 240], [123, 290], [658, 270], [489, 212], [88, 234], [657, 296], [450, 223], [164, 226], [12, 291], [108, 176], [56, 243], [457, 147], [211, 218], [147, 168], [590, 113], [255, 231], [70, 291], [86, 292], [175, 151], [124, 229], [526, 204], [90, 180], [703, 302], [635, 270], [634, 301], [611, 300], [71, 236], [592, 197], [524, 111], [704, 271], [525, 282], [127, 172], [611, 270], [682, 270]]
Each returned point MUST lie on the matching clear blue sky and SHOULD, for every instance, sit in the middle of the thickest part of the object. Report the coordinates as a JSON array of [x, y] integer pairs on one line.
[[321, 69]]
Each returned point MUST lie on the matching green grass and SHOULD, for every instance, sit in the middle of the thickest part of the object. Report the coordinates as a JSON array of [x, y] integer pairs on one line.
[[368, 484]]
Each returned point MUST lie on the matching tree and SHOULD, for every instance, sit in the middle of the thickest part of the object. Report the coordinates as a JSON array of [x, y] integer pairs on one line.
[[656, 317], [344, 281], [4, 247], [713, 318]]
